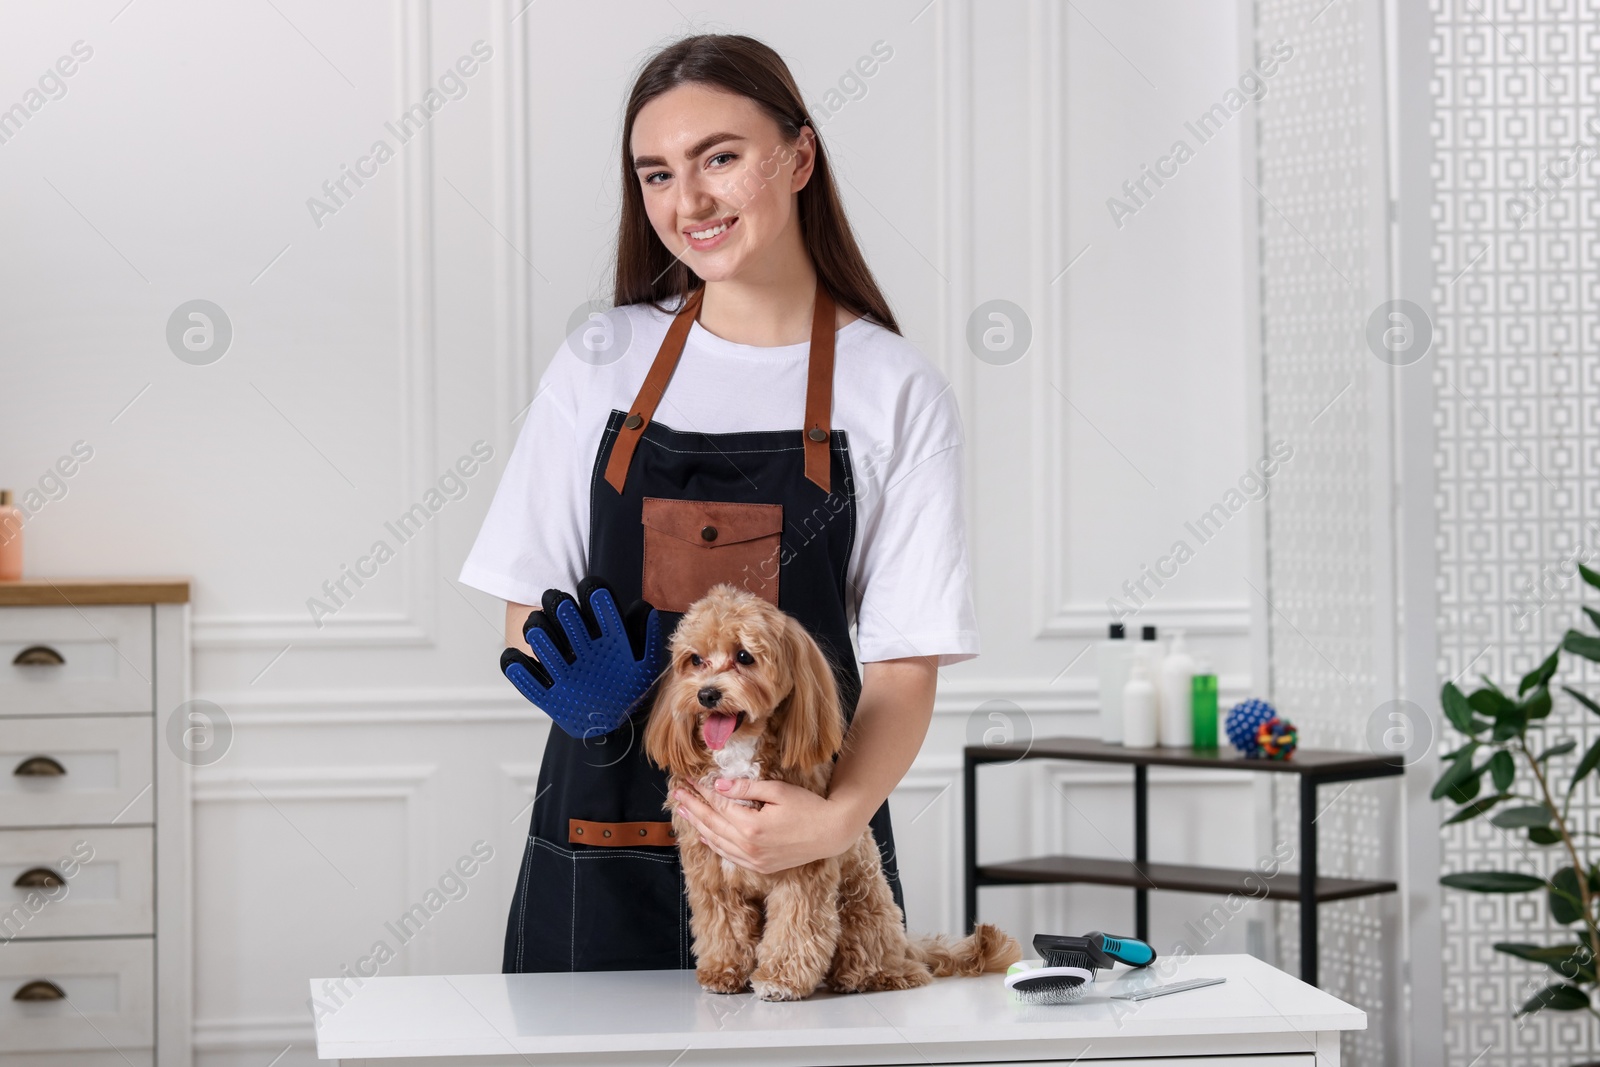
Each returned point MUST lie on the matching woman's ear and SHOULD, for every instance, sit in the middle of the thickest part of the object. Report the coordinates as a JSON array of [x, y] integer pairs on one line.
[[812, 727]]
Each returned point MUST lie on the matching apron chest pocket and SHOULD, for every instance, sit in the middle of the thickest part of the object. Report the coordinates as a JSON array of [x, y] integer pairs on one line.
[[691, 545]]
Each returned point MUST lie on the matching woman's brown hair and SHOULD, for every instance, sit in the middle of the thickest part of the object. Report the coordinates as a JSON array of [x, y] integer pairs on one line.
[[646, 270]]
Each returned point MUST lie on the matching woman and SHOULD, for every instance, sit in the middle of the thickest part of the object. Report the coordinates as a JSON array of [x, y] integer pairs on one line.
[[718, 443]]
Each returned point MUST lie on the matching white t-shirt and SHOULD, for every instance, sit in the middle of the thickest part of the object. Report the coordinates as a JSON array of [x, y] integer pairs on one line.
[[909, 580]]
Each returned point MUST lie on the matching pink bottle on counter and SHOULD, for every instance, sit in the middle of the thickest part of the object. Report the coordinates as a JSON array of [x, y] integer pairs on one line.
[[10, 538]]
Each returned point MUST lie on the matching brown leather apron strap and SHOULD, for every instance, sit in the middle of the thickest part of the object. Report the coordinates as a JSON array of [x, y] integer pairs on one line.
[[819, 391], [655, 383], [618, 834]]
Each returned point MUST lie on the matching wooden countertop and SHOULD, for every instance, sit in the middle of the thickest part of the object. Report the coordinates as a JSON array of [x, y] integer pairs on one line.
[[656, 1017], [78, 592]]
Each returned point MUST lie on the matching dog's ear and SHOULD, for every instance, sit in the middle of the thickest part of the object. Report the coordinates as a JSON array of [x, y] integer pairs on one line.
[[812, 727], [668, 737]]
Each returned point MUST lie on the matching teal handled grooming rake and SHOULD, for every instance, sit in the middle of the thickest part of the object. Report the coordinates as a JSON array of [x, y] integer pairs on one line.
[[1068, 965]]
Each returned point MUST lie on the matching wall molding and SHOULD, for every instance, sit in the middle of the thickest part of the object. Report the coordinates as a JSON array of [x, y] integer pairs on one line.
[[1054, 613], [953, 35], [241, 1033], [509, 154], [1227, 618], [417, 567], [339, 782], [471, 705], [940, 776]]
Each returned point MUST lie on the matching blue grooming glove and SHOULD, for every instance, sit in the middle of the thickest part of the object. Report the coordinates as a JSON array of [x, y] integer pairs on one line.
[[594, 665]]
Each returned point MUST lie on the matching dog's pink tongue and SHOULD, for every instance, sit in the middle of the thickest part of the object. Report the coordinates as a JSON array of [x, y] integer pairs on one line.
[[718, 728]]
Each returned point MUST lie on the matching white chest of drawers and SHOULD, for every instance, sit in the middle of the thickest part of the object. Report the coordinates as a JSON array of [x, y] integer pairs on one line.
[[95, 947]]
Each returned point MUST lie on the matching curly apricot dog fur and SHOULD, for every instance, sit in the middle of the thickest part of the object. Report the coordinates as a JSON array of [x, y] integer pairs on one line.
[[748, 693]]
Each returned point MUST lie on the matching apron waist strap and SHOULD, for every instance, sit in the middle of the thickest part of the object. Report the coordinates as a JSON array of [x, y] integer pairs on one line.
[[618, 834]]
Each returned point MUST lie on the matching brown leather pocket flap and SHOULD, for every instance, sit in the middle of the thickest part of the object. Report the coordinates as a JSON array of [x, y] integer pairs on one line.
[[711, 523]]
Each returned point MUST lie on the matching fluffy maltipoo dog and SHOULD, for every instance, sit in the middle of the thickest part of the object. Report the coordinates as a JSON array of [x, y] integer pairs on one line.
[[748, 694]]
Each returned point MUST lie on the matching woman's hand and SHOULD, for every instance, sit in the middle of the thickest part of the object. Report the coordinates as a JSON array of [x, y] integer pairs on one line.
[[794, 826]]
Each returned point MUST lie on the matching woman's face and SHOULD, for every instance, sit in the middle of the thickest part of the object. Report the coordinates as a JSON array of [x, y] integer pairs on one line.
[[718, 179]]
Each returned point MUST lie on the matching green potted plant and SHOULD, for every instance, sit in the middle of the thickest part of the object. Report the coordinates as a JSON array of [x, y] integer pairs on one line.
[[1506, 746]]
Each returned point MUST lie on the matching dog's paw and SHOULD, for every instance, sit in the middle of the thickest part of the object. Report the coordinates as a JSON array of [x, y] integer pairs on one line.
[[723, 979], [768, 990]]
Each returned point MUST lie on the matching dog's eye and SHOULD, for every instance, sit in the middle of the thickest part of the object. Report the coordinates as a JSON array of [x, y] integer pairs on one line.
[[694, 658], [745, 657]]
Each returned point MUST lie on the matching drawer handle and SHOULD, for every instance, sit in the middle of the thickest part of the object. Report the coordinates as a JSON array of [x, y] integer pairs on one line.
[[40, 989], [39, 767], [38, 878], [38, 656]]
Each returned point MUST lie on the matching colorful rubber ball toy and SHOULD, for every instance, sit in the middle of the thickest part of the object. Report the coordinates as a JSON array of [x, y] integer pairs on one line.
[[1276, 738], [1256, 730]]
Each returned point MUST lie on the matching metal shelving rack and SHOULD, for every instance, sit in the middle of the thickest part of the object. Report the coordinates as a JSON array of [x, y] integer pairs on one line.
[[1314, 768]]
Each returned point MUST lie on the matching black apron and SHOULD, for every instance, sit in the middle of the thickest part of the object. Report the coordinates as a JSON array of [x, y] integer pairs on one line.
[[671, 512]]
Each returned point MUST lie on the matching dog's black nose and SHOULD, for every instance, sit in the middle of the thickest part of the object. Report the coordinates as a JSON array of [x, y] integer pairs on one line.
[[709, 695]]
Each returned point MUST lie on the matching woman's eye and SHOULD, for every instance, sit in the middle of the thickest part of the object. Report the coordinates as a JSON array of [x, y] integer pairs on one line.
[[720, 155], [694, 658], [650, 179], [745, 657]]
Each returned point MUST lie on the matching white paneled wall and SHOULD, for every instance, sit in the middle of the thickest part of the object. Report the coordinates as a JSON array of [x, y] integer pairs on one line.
[[374, 345]]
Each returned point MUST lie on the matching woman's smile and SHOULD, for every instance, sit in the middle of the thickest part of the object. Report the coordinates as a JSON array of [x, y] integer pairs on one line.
[[704, 237]]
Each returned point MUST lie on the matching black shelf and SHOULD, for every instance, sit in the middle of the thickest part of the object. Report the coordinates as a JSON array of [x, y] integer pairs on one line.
[[1173, 877], [1325, 764], [1313, 767]]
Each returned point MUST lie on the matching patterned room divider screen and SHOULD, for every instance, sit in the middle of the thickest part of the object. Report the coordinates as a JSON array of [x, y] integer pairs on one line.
[[1321, 219], [1515, 251]]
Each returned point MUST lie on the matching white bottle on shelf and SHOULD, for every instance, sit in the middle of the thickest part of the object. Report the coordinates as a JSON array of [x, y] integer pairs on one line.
[[1177, 697], [1140, 718], [1113, 659], [1153, 649]]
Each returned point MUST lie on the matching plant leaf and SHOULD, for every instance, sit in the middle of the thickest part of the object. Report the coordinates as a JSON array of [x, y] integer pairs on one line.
[[1582, 644], [1543, 835], [1580, 698], [1566, 904], [1457, 771], [1559, 996], [1489, 701], [1509, 725], [1458, 711], [1589, 576], [1492, 882], [1559, 750], [1468, 787], [1503, 769], [1537, 705], [1594, 616], [1476, 808], [1542, 673], [1522, 817], [1536, 953], [1591, 760], [1572, 962]]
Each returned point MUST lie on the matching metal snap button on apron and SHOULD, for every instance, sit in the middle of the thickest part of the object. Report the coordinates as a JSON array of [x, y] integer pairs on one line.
[[708, 533]]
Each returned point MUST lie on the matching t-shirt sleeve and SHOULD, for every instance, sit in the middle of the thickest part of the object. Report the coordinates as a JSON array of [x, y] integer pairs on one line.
[[915, 574], [534, 536]]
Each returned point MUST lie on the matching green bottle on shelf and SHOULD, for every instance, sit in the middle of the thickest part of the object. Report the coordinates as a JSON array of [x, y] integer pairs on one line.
[[1205, 707]]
